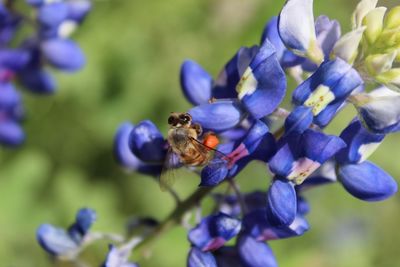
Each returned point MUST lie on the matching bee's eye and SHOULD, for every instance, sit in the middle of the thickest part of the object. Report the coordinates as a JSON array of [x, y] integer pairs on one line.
[[185, 118], [171, 120]]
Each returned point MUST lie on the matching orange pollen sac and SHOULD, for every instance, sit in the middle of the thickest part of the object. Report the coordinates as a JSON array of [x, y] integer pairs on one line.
[[211, 140]]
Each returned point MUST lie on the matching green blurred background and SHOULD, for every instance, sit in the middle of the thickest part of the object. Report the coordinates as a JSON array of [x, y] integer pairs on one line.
[[134, 50]]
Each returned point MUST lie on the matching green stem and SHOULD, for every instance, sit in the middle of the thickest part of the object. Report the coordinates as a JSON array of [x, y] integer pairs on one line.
[[175, 216]]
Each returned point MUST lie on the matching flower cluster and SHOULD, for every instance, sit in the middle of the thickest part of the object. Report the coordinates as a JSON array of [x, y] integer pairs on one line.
[[244, 102], [27, 60]]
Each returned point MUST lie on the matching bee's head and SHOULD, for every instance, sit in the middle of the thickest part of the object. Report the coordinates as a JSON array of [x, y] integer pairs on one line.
[[179, 119]]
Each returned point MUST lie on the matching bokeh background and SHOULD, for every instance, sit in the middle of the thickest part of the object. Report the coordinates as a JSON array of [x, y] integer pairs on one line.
[[134, 50]]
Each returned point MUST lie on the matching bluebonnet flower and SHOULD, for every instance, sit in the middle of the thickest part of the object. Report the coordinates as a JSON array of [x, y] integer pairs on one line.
[[238, 106], [362, 178], [214, 231], [11, 113], [26, 61], [127, 158], [66, 243]]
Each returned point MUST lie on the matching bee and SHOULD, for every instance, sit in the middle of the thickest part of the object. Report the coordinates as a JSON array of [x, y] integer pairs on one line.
[[185, 146]]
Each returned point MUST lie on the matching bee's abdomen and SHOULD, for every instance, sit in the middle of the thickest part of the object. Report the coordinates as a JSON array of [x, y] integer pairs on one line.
[[194, 158]]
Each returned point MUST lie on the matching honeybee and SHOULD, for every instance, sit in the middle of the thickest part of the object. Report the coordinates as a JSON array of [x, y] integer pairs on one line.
[[185, 147]]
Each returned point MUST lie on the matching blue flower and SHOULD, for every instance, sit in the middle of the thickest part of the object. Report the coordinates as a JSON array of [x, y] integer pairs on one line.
[[214, 231], [11, 113], [126, 157], [66, 243], [196, 83], [63, 54], [327, 89], [239, 154], [359, 177], [147, 142], [254, 253], [367, 181], [247, 252], [360, 143], [260, 90], [286, 57], [300, 155]]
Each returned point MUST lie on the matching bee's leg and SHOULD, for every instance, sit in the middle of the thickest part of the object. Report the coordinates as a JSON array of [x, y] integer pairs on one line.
[[198, 128]]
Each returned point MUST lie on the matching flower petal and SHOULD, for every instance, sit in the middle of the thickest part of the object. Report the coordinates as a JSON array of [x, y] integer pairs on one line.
[[225, 85], [299, 120], [125, 156], [325, 174], [286, 58], [218, 116], [9, 97], [362, 9], [320, 147], [51, 15], [83, 221], [198, 258], [328, 87], [214, 173], [63, 54], [367, 181], [281, 203], [13, 59], [147, 142], [117, 258], [328, 32], [296, 28], [255, 254], [11, 133], [379, 110], [196, 83], [263, 84], [214, 231], [78, 9], [38, 80], [360, 143], [346, 47], [55, 240], [288, 152], [374, 23], [257, 225]]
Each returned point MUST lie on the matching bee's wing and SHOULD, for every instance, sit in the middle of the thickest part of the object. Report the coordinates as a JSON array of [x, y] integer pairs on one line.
[[214, 154], [167, 176]]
